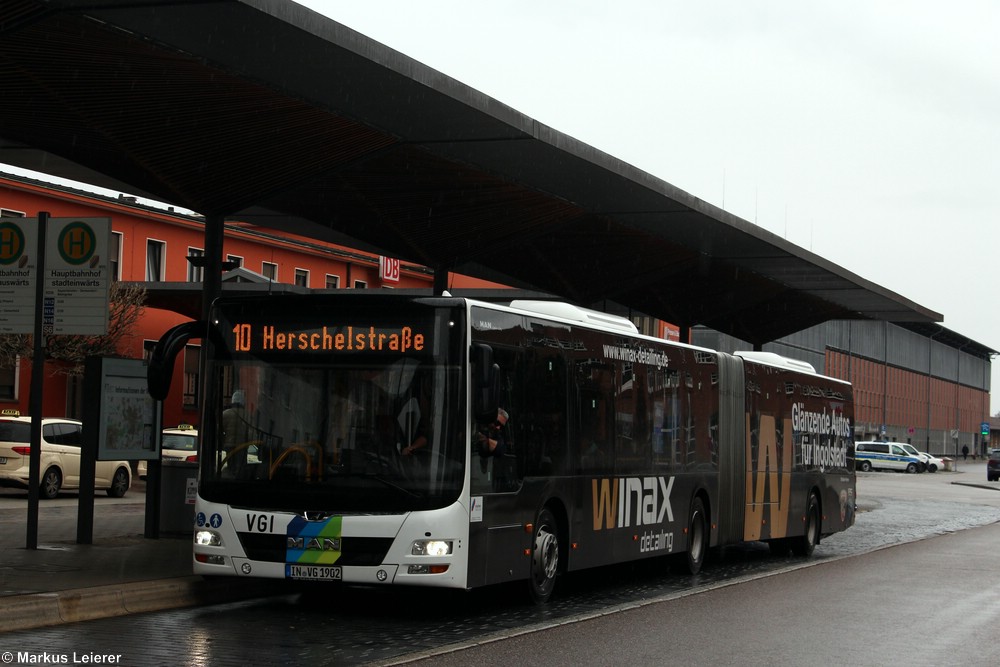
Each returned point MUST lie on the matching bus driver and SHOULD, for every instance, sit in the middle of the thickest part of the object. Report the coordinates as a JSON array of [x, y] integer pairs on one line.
[[235, 429], [491, 440]]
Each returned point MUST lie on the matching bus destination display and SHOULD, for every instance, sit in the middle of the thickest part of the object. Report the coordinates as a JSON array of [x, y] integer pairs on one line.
[[255, 337]]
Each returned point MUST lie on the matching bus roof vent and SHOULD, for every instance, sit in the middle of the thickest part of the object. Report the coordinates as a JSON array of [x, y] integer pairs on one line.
[[570, 312], [772, 359]]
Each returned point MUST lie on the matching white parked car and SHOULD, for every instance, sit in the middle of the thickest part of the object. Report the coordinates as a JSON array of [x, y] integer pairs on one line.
[[912, 451], [933, 463], [179, 444], [60, 458]]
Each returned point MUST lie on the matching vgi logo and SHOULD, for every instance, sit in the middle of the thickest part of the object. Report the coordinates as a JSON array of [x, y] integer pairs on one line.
[[314, 543], [11, 243], [77, 242]]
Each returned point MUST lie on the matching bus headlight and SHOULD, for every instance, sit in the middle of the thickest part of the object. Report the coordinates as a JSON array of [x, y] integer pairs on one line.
[[207, 538], [431, 548]]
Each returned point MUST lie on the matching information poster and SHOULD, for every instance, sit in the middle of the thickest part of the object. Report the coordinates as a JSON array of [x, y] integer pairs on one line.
[[128, 412]]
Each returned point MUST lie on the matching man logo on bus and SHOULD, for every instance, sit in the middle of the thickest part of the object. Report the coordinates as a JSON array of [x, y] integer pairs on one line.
[[11, 243], [77, 243]]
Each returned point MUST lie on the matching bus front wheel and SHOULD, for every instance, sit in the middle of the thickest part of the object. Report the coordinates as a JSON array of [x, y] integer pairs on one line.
[[544, 557]]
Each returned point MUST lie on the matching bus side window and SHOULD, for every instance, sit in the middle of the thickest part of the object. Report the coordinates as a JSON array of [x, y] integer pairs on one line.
[[701, 449], [595, 425], [633, 403], [672, 419], [544, 418]]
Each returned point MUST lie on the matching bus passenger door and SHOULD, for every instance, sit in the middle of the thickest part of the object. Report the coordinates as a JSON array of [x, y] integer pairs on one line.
[[510, 488], [497, 535], [497, 531]]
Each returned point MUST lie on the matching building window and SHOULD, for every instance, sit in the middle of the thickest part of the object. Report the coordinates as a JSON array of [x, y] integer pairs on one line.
[[7, 213], [360, 284], [236, 260], [332, 281], [155, 252], [115, 253], [192, 379], [301, 277], [270, 271], [196, 274], [8, 382]]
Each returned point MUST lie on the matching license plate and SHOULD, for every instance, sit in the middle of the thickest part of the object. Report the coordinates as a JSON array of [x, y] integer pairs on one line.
[[313, 572], [3, 460]]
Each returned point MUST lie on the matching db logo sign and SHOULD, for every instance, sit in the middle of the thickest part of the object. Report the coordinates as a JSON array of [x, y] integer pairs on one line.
[[388, 269]]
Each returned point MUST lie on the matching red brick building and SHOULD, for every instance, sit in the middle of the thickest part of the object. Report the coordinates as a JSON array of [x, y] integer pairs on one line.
[[151, 244]]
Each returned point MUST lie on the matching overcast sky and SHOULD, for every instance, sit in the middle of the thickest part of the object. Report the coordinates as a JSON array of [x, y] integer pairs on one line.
[[866, 132]]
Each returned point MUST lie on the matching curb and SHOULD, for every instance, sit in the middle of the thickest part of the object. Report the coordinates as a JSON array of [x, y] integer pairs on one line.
[[36, 610], [980, 485]]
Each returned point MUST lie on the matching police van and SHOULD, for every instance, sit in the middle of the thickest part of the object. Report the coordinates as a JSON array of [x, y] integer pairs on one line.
[[885, 456]]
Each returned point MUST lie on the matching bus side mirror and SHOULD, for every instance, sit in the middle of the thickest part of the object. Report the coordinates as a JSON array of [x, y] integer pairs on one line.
[[161, 360], [485, 383]]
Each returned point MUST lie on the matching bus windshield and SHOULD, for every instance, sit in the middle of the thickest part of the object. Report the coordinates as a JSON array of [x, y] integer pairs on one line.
[[334, 411]]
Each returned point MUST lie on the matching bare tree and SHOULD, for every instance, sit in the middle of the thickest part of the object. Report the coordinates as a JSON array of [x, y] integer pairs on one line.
[[127, 303]]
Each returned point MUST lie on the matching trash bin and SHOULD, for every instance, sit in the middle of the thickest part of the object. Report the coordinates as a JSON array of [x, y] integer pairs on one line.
[[949, 464], [178, 487]]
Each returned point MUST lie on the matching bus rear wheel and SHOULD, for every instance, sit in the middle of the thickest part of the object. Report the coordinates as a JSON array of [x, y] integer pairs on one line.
[[805, 544], [697, 538], [544, 557]]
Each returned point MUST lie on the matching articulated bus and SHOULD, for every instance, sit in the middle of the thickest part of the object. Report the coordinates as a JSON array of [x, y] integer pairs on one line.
[[341, 440]]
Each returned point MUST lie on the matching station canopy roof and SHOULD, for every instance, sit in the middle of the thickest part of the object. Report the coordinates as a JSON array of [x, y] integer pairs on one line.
[[266, 112]]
